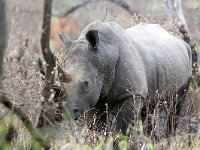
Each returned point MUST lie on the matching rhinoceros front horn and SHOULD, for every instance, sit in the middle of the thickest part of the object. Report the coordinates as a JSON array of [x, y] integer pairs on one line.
[[64, 76], [65, 39]]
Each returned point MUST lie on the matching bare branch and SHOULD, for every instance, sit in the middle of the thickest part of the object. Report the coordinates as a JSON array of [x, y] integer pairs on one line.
[[75, 8], [187, 39], [41, 67], [183, 28], [26, 121], [48, 55], [51, 63], [122, 4]]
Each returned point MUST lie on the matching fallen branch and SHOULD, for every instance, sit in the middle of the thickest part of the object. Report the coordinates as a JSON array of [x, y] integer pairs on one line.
[[26, 121]]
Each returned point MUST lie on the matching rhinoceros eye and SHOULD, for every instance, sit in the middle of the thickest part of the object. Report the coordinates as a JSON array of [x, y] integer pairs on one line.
[[84, 86], [91, 48]]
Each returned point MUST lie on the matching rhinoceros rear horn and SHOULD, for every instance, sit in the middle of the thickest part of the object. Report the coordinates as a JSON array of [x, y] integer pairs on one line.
[[65, 39], [93, 38]]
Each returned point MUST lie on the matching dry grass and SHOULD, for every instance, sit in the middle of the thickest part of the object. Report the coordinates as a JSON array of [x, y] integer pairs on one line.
[[22, 83], [24, 87]]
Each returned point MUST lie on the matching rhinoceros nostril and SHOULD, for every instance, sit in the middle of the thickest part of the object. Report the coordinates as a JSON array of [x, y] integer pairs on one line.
[[77, 114]]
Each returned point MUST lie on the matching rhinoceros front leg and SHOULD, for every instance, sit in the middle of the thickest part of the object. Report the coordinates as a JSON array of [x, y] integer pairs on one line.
[[128, 117], [128, 113]]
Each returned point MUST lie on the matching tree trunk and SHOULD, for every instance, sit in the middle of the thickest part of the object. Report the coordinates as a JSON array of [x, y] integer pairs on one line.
[[3, 32]]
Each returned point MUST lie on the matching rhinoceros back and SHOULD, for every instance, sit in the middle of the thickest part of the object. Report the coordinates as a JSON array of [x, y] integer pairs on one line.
[[166, 59]]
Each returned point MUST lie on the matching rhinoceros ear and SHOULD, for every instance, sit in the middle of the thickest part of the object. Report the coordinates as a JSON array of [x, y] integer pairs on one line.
[[93, 38], [65, 39]]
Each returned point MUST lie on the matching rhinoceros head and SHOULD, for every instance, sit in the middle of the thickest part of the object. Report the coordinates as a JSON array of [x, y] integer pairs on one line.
[[87, 66]]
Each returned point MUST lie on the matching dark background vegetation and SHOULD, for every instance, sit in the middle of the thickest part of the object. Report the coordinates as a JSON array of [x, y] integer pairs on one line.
[[22, 81]]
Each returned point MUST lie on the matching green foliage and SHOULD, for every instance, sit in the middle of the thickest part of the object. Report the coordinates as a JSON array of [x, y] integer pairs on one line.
[[140, 126], [86, 147], [3, 143], [152, 147], [100, 144], [35, 145], [123, 143], [181, 145]]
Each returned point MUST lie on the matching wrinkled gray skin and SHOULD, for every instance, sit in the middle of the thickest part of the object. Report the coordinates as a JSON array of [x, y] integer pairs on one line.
[[109, 65]]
